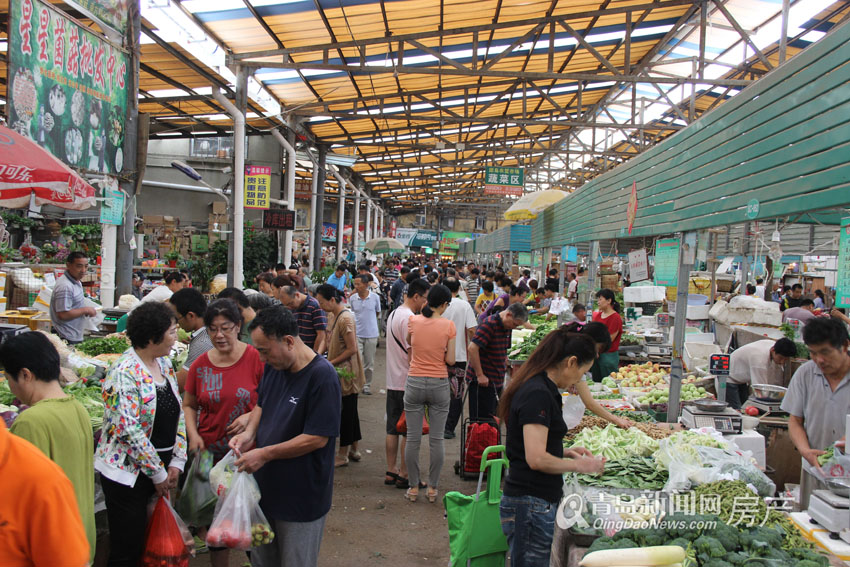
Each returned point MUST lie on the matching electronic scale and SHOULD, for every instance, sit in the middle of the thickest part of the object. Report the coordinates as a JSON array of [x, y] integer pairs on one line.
[[726, 421], [832, 512]]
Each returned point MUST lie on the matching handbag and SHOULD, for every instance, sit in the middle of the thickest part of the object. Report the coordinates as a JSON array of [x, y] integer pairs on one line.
[[401, 426]]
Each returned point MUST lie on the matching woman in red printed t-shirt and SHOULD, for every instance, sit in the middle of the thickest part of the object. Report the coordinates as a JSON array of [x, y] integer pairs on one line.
[[221, 387], [608, 315]]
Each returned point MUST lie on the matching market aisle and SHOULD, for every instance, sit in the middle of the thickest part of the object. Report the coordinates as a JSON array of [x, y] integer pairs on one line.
[[370, 523]]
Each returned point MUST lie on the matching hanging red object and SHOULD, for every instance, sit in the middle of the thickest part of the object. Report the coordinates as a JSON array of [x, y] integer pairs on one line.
[[27, 168]]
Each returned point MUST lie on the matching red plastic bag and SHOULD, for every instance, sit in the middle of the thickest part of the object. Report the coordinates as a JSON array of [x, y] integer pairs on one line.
[[165, 544], [401, 426], [239, 523]]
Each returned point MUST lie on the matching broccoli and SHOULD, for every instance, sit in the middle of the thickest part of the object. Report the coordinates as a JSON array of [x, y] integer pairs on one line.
[[725, 534], [809, 555], [735, 558], [680, 541], [602, 543], [624, 543], [759, 540], [707, 547], [654, 538], [716, 563]]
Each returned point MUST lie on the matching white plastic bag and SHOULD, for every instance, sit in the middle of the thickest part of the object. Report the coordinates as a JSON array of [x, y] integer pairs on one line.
[[573, 410], [239, 523]]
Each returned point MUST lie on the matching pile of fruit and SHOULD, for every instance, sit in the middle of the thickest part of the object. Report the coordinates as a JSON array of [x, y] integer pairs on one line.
[[688, 393], [640, 375], [261, 534]]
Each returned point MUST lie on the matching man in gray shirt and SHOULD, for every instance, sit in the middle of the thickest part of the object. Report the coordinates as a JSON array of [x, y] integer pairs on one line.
[[818, 398], [190, 306], [67, 304]]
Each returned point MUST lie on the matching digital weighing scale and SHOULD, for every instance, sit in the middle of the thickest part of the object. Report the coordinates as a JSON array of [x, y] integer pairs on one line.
[[726, 421], [832, 512]]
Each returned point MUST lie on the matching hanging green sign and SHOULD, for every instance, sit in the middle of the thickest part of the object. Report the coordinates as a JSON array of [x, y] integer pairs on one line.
[[667, 262], [112, 209], [842, 287], [113, 13], [67, 87], [753, 208]]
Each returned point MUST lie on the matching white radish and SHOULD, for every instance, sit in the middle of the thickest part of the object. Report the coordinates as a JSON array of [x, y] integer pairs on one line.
[[658, 556]]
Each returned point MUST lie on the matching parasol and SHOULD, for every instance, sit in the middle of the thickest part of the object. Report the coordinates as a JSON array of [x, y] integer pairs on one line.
[[384, 246], [530, 205], [27, 168]]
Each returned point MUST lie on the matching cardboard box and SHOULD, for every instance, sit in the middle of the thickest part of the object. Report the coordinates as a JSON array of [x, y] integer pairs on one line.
[[219, 207], [153, 220]]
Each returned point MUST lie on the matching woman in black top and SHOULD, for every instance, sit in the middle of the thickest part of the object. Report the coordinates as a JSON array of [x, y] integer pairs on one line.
[[531, 408]]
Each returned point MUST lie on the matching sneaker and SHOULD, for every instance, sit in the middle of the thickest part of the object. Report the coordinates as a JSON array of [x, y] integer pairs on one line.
[[449, 435], [367, 391]]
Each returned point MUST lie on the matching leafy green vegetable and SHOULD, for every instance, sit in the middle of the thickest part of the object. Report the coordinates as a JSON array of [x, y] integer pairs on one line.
[[6, 395], [632, 472], [103, 345], [89, 394], [345, 373], [830, 452], [615, 443], [530, 343]]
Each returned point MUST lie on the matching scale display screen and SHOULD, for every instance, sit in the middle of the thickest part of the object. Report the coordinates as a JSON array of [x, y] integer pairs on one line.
[[718, 365]]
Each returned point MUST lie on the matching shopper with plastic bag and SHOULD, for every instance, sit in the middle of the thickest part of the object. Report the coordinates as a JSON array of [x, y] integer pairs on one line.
[[197, 501], [294, 427], [142, 449], [818, 398]]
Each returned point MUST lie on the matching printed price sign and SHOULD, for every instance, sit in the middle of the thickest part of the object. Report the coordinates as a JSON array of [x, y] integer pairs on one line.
[[638, 265], [842, 287], [257, 186], [667, 262]]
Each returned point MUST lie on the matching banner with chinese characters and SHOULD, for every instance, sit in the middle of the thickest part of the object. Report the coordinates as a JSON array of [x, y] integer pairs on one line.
[[258, 180], [279, 219], [503, 180], [842, 287], [639, 266], [667, 262], [67, 87], [329, 231]]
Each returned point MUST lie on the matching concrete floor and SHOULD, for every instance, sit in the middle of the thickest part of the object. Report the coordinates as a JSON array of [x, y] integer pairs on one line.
[[370, 523]]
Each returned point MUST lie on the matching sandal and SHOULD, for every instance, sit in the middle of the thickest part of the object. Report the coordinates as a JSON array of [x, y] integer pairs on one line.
[[391, 478], [411, 494], [338, 463], [355, 456], [432, 495], [402, 482]]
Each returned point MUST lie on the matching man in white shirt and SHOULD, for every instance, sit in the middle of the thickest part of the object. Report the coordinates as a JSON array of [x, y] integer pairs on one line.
[[760, 288], [398, 365], [572, 288], [173, 284], [366, 306], [756, 363], [459, 311]]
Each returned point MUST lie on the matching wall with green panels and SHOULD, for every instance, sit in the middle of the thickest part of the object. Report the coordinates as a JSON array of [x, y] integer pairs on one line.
[[783, 141]]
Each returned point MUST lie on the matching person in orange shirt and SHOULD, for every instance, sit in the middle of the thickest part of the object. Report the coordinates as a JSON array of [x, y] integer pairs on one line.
[[40, 523]]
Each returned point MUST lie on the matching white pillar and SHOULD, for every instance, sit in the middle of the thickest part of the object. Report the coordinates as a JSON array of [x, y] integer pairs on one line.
[[340, 227], [381, 231], [236, 278], [109, 247], [290, 191], [314, 188], [355, 231], [368, 227]]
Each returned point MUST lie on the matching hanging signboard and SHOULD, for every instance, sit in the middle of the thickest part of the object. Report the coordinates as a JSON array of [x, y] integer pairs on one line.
[[329, 231], [257, 186], [667, 262], [303, 189], [449, 241], [112, 209], [639, 266], [392, 229], [67, 87], [112, 13], [279, 219], [842, 287], [503, 181], [631, 211], [424, 239], [405, 235]]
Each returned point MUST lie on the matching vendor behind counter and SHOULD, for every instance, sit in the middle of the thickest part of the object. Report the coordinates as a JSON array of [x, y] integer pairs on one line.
[[818, 398], [760, 362]]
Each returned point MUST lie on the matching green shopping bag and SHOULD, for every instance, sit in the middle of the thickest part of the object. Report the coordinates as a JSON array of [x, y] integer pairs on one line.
[[475, 528], [196, 503]]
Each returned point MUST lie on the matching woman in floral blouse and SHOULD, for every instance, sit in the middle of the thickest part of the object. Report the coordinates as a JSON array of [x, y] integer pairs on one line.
[[142, 449]]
